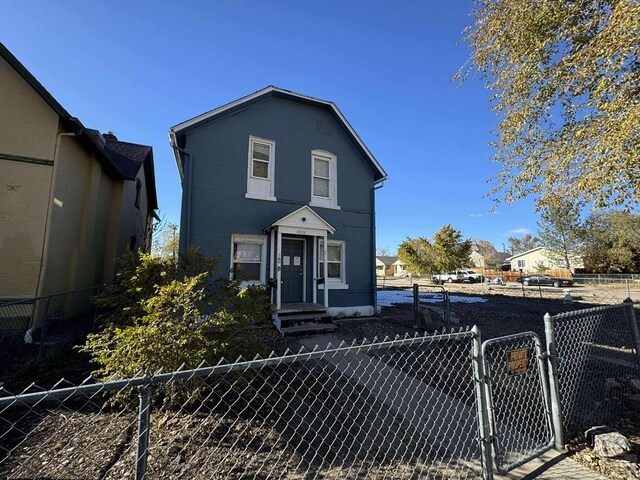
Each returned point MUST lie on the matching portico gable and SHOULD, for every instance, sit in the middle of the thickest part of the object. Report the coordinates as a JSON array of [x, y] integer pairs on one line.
[[304, 222]]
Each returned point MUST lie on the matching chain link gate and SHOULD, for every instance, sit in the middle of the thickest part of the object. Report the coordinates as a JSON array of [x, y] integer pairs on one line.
[[516, 387]]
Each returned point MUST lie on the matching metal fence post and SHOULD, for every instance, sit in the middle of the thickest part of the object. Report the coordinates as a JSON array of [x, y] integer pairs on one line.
[[144, 413], [416, 305], [484, 428], [447, 312], [554, 391], [43, 328], [634, 326]]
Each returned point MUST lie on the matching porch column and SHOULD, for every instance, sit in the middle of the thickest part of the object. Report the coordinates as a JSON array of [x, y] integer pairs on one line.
[[279, 272], [314, 269], [326, 271], [272, 259]]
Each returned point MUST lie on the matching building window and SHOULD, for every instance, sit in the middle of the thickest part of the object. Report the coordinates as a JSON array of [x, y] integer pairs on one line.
[[261, 169], [522, 264], [323, 179], [336, 277], [248, 253], [138, 191]]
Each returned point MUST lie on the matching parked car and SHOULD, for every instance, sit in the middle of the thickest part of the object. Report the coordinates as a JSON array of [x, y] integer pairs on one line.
[[458, 276], [448, 277], [545, 280], [471, 276]]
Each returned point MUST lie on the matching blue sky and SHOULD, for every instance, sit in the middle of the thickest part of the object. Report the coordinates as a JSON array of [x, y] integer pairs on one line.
[[137, 68]]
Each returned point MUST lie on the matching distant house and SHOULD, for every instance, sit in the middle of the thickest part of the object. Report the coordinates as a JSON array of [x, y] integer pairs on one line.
[[399, 270], [487, 259], [384, 265], [535, 259], [280, 187], [71, 201]]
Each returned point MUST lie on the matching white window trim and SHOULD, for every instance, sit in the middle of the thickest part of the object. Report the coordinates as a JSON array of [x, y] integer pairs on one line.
[[270, 171], [332, 201], [334, 283], [259, 240], [524, 263]]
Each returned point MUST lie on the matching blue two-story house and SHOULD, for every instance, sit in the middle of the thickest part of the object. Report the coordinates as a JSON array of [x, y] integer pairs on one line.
[[280, 187]]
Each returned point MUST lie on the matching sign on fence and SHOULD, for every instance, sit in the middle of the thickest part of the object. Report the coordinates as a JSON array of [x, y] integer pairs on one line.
[[517, 361]]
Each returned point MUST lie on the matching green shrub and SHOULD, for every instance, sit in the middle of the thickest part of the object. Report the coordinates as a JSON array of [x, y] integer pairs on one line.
[[162, 316]]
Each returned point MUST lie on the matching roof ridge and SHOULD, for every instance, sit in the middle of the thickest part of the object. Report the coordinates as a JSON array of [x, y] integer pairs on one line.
[[128, 143]]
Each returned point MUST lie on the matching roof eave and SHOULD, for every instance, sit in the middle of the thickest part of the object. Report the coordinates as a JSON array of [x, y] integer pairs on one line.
[[173, 142], [380, 173]]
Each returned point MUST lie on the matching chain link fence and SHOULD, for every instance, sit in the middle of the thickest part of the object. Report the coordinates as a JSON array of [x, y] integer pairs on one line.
[[441, 406], [29, 326], [585, 292], [403, 408], [518, 399], [596, 354]]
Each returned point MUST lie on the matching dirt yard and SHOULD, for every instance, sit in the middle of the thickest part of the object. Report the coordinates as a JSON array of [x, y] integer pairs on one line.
[[100, 444]]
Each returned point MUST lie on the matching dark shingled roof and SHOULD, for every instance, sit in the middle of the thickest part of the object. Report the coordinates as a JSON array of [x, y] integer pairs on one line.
[[387, 260], [128, 156]]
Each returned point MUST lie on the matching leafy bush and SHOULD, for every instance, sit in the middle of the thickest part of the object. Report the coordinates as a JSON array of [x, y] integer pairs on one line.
[[161, 316]]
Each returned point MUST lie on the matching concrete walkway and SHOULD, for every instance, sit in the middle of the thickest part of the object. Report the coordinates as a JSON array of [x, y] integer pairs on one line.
[[552, 465], [447, 424]]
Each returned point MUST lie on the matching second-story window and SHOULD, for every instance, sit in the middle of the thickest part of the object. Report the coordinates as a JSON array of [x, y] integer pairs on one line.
[[261, 169], [138, 192], [323, 179]]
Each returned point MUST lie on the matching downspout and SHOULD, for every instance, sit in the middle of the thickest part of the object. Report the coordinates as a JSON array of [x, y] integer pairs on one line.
[[188, 164], [374, 295], [44, 258]]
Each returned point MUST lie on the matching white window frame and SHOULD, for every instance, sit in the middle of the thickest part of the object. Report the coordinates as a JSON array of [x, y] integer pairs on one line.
[[524, 263], [255, 239], [334, 283], [332, 200], [256, 184]]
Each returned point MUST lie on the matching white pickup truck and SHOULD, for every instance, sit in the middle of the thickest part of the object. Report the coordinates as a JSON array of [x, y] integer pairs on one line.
[[457, 276]]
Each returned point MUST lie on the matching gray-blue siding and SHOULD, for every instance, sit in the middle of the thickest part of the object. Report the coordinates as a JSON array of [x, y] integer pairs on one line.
[[218, 151]]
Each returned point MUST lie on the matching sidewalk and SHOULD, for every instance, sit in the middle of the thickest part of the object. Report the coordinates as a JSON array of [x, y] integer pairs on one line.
[[416, 401], [552, 465]]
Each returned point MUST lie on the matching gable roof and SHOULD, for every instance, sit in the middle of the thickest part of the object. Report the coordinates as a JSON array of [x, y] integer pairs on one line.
[[298, 218], [523, 253], [387, 260], [130, 157], [72, 123], [502, 256], [176, 133]]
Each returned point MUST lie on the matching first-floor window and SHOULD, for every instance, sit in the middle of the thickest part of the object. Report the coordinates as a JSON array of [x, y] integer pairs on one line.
[[522, 263], [247, 258], [335, 261]]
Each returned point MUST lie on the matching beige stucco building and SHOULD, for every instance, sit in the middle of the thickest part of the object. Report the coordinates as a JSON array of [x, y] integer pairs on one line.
[[536, 258], [71, 201], [384, 265]]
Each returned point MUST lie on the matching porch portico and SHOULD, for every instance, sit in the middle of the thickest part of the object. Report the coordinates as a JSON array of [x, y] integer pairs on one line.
[[298, 226]]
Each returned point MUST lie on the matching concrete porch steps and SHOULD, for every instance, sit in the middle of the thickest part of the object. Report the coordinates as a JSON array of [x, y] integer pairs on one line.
[[308, 329], [307, 322]]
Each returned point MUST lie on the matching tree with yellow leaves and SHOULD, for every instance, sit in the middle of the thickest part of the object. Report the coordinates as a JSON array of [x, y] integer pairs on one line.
[[565, 79]]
